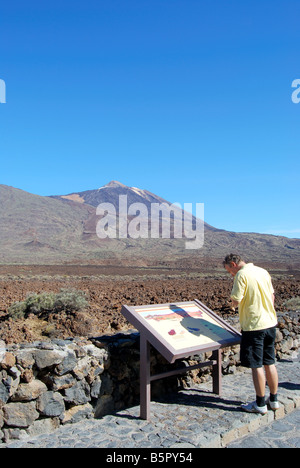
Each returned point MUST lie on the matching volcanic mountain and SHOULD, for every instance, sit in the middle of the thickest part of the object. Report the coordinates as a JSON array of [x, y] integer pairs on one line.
[[62, 228], [110, 194]]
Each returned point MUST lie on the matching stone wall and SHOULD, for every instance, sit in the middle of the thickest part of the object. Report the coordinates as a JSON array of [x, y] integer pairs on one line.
[[47, 384]]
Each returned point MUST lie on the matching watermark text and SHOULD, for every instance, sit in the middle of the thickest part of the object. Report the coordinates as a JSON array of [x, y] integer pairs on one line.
[[2, 92], [296, 93], [154, 220]]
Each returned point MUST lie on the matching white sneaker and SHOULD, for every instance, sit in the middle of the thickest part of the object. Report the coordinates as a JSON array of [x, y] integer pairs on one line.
[[274, 405], [253, 408]]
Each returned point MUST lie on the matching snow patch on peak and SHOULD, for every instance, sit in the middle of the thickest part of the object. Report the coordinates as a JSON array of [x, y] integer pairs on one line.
[[112, 184], [138, 191]]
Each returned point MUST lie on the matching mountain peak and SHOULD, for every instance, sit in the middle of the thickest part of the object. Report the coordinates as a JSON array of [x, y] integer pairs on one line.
[[114, 183]]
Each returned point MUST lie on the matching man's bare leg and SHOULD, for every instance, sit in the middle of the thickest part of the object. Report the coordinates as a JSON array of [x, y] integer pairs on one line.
[[272, 378], [259, 381]]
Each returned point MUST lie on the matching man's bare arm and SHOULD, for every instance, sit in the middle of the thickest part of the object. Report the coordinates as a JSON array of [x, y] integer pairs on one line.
[[234, 303]]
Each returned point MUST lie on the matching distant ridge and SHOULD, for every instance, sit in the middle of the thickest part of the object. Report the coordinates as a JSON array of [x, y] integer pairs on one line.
[[62, 228]]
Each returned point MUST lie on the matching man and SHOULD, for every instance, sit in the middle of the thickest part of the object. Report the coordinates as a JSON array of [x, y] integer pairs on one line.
[[253, 294]]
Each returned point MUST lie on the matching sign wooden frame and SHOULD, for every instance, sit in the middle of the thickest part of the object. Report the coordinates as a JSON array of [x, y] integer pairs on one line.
[[196, 329]]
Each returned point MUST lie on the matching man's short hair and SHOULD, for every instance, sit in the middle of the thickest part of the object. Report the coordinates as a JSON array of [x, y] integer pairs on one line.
[[232, 258]]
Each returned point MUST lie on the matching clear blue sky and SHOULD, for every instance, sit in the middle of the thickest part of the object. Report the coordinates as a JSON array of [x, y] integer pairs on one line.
[[190, 99]]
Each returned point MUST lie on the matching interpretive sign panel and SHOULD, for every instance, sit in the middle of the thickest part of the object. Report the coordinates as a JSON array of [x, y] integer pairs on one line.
[[178, 330], [181, 329]]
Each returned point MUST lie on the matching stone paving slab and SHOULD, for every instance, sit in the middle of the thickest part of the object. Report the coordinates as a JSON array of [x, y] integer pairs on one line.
[[192, 418], [283, 433]]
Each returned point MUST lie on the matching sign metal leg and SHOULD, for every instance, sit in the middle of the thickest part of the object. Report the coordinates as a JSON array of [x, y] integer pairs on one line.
[[217, 372], [145, 385]]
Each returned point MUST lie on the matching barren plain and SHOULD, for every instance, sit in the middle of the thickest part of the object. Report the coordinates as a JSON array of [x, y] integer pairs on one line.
[[107, 288]]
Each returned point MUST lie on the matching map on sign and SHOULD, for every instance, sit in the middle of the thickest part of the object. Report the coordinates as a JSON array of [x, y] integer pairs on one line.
[[185, 325]]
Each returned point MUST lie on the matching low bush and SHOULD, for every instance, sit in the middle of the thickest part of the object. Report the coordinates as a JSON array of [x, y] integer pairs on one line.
[[40, 303], [67, 300], [17, 310], [70, 300]]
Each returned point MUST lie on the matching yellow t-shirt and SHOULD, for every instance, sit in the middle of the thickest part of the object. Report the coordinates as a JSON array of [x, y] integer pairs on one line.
[[253, 289]]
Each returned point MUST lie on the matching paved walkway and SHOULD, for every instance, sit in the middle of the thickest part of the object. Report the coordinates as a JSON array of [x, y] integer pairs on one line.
[[282, 433], [193, 418]]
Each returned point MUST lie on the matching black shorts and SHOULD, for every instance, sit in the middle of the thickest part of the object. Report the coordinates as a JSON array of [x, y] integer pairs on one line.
[[258, 348]]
